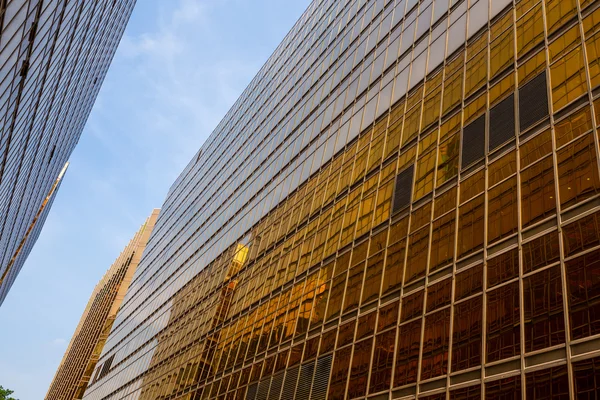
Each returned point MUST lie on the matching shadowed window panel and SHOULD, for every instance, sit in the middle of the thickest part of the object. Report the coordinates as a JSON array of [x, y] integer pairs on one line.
[[583, 279], [468, 393], [383, 361], [508, 388], [289, 383], [582, 234], [473, 144], [544, 318], [403, 189], [435, 344], [502, 122], [275, 389], [407, 357], [586, 378], [466, 335], [551, 383], [359, 371], [503, 333], [533, 101], [339, 373]]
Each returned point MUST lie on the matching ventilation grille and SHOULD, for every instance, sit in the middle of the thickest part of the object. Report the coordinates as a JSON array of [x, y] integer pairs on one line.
[[289, 384], [276, 387], [533, 101], [263, 389], [251, 393], [403, 189], [319, 391], [502, 122], [473, 145], [306, 375]]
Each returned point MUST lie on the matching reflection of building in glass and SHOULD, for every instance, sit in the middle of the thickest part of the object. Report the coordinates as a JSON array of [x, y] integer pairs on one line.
[[417, 186], [78, 366], [53, 58]]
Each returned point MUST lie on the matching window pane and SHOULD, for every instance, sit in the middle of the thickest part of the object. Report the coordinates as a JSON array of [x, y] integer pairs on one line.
[[503, 334], [578, 171], [466, 334], [551, 383], [435, 344], [583, 275], [538, 192], [544, 317]]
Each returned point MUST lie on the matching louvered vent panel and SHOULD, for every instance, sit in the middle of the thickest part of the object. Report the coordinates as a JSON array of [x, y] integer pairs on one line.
[[533, 101], [289, 383], [263, 389], [275, 390], [502, 122], [251, 393], [306, 375], [473, 144], [403, 189], [319, 390]]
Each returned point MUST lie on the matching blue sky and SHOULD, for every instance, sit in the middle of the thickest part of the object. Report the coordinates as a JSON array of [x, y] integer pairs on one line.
[[180, 66]]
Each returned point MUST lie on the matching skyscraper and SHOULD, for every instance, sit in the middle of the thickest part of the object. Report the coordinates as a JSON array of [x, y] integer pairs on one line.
[[53, 58], [404, 203], [81, 356]]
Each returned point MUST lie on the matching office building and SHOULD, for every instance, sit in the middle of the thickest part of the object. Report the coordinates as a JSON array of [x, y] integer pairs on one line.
[[404, 203], [81, 356], [53, 59]]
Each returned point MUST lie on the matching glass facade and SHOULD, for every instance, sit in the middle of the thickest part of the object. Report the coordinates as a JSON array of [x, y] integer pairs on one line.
[[75, 370], [53, 58], [404, 203]]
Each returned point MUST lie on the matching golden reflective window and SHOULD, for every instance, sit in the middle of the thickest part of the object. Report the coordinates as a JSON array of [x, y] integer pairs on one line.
[[472, 186], [573, 126], [470, 226], [501, 53], [564, 43], [442, 242], [452, 91], [476, 73], [568, 78], [536, 148], [502, 168], [530, 30], [593, 56], [418, 247], [506, 85], [578, 171], [558, 12], [425, 174], [448, 153], [532, 67], [502, 210], [538, 192]]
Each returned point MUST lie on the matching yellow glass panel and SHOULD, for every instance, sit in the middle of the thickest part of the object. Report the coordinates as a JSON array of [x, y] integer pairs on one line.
[[472, 186], [411, 124], [433, 83], [451, 126], [558, 12], [502, 53], [523, 6], [475, 108], [452, 91], [407, 157], [502, 210], [593, 55], [414, 97], [428, 141], [376, 152], [532, 67], [591, 23], [498, 27], [530, 31], [425, 173], [578, 171], [476, 73], [431, 108], [502, 168], [455, 65], [535, 148], [448, 159], [394, 136], [597, 110], [585, 3], [573, 126], [568, 78], [506, 85], [564, 43], [477, 45], [471, 226]]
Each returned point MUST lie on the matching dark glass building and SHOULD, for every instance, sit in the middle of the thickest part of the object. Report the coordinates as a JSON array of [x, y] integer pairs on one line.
[[404, 203], [75, 370], [53, 58]]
